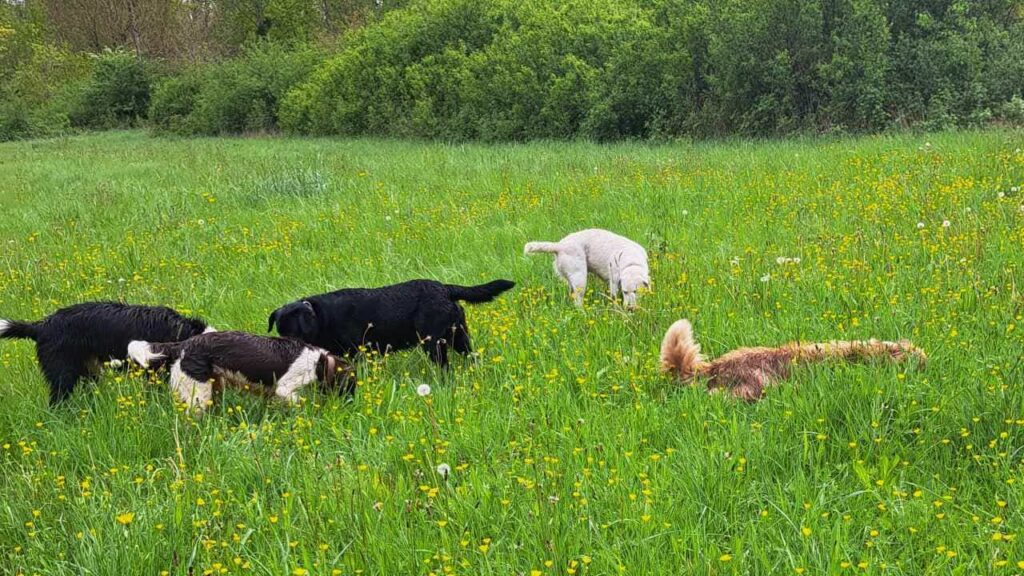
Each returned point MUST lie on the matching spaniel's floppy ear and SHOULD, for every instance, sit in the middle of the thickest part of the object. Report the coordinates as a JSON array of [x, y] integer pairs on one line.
[[272, 320]]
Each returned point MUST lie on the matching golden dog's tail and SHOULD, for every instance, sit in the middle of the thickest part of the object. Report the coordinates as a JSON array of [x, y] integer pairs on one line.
[[680, 353], [859, 351]]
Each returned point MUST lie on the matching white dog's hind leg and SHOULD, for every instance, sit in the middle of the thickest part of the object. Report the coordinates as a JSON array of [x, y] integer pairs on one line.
[[574, 269], [192, 392]]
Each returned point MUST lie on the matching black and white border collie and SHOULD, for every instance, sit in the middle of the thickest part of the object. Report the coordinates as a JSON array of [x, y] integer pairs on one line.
[[72, 342], [421, 313], [205, 364]]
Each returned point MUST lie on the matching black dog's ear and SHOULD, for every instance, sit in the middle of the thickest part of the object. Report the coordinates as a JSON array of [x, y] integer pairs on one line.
[[307, 321], [272, 320]]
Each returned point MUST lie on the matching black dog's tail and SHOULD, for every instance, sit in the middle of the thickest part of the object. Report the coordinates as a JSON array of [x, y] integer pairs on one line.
[[153, 354], [15, 329], [479, 294]]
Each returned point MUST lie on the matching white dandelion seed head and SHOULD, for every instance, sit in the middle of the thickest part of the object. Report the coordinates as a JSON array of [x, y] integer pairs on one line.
[[1001, 195], [444, 470], [423, 389], [945, 223], [388, 218], [686, 212], [780, 260], [735, 261], [201, 222], [920, 225], [796, 260], [1015, 189], [766, 277], [115, 363]]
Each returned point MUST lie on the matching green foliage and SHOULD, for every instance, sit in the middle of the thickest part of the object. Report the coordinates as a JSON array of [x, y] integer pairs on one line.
[[233, 97], [116, 94], [174, 100], [501, 70], [37, 79], [494, 70]]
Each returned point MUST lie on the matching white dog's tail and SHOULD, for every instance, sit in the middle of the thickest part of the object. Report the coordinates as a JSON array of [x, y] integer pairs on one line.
[[680, 352], [532, 247]]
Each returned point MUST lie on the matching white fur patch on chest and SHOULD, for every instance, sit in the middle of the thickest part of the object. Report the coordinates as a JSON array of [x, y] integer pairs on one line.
[[299, 374]]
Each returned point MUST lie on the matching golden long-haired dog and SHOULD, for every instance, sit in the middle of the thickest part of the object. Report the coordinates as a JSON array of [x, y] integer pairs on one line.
[[746, 372]]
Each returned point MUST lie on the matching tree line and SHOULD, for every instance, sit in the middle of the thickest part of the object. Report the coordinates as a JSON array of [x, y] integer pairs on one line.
[[509, 70]]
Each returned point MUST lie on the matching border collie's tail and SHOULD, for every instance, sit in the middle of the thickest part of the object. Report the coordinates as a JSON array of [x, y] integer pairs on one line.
[[680, 352], [153, 354], [481, 293], [532, 247], [15, 329]]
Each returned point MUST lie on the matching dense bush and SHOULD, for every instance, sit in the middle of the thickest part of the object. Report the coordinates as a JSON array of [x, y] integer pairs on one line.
[[494, 69], [513, 70], [237, 96], [116, 94], [504, 70], [37, 79]]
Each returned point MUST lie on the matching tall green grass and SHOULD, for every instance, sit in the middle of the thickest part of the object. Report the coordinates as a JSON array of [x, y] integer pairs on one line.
[[569, 452]]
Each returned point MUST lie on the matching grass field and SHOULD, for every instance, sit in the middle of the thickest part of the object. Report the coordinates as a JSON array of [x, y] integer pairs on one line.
[[569, 452]]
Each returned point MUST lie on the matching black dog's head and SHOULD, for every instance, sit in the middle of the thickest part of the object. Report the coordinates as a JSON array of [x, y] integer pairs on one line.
[[295, 320], [198, 326]]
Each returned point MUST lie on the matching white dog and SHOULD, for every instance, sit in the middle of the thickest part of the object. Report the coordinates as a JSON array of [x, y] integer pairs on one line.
[[618, 260]]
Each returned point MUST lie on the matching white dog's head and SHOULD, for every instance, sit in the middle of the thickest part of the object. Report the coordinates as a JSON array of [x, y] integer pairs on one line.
[[632, 281]]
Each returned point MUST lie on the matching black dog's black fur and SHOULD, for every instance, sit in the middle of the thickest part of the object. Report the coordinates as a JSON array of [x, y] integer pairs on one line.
[[72, 339], [418, 312], [261, 360]]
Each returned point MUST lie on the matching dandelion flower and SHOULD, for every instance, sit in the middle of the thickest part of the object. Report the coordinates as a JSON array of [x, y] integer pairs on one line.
[[423, 389], [724, 558], [125, 518]]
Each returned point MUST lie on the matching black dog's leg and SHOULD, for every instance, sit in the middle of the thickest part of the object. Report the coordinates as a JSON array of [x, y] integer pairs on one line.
[[62, 372], [460, 340]]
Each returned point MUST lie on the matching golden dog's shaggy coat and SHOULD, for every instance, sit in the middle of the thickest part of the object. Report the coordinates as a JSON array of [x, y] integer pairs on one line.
[[746, 372]]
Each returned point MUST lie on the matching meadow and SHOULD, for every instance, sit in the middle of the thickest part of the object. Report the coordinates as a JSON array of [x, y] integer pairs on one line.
[[569, 453]]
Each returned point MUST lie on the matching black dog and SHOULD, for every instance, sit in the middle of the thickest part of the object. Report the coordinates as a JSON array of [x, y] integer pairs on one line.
[[418, 312], [206, 363], [71, 342]]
